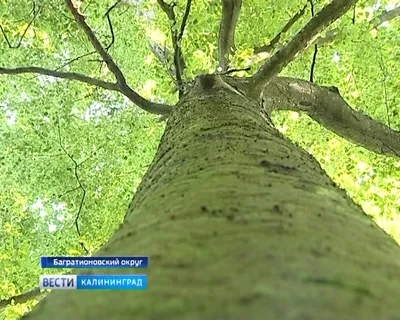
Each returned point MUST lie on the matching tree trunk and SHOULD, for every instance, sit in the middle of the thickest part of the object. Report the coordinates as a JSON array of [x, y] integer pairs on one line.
[[240, 223]]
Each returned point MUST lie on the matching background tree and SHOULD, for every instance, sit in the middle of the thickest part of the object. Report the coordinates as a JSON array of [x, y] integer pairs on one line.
[[323, 104]]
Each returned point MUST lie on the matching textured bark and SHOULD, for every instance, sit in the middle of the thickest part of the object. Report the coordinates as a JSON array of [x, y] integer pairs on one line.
[[326, 106], [240, 223]]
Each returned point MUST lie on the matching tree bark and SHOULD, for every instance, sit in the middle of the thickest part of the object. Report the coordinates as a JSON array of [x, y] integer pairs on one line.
[[240, 223]]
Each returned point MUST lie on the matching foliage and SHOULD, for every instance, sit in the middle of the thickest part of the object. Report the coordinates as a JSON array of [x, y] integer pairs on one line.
[[113, 142]]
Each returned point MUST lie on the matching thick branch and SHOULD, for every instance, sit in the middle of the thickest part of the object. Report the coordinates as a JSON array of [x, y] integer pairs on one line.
[[333, 34], [143, 103], [272, 44], [388, 15], [21, 298], [227, 26], [327, 107], [299, 42], [80, 19], [63, 75]]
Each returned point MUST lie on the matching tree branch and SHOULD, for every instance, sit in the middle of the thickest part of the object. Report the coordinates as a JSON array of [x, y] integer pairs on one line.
[[80, 19], [272, 44], [141, 102], [178, 55], [333, 34], [326, 106], [227, 26], [185, 18], [35, 14], [63, 75], [179, 63], [314, 58], [69, 62], [21, 298], [387, 16], [299, 42]]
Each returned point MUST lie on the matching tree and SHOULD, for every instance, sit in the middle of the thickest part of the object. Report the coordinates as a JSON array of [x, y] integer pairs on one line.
[[237, 220]]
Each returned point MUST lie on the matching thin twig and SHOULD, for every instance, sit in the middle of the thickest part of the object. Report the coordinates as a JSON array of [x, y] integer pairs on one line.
[[229, 71], [185, 18], [76, 166], [314, 58], [75, 59], [384, 73], [35, 13], [175, 37], [271, 46], [112, 7], [178, 55], [63, 75], [112, 33]]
